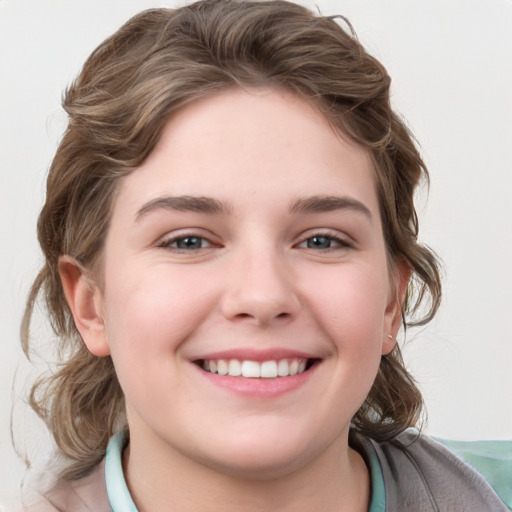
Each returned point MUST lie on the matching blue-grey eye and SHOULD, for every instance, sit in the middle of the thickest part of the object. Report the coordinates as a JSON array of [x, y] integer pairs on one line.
[[190, 242], [319, 242]]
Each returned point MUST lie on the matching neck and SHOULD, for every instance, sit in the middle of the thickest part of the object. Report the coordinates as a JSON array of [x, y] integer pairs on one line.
[[163, 479]]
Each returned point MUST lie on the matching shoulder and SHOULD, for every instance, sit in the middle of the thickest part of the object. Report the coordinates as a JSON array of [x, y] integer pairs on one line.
[[491, 459], [88, 494], [420, 470]]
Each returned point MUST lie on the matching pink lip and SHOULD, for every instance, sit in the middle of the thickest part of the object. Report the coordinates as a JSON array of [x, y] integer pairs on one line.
[[258, 387], [257, 355]]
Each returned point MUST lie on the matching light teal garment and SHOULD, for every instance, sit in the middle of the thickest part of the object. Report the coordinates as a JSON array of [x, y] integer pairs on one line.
[[378, 499], [118, 494], [492, 459]]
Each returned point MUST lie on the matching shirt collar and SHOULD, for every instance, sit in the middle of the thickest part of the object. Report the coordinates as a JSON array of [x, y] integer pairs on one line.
[[117, 490]]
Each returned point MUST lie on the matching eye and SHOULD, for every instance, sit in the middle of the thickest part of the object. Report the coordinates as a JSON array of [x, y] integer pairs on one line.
[[323, 241], [186, 243], [319, 242]]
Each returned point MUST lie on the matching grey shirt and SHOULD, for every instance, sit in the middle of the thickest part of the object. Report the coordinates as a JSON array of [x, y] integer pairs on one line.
[[418, 474]]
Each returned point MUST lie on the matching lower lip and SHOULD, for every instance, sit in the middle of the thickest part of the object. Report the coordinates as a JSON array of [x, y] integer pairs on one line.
[[259, 387]]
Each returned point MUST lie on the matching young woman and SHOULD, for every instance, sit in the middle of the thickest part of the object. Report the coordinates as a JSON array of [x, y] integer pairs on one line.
[[230, 250]]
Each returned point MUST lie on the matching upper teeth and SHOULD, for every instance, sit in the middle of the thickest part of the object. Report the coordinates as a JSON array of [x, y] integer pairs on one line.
[[266, 369]]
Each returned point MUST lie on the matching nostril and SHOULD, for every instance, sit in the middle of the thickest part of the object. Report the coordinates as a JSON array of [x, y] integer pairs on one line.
[[248, 315]]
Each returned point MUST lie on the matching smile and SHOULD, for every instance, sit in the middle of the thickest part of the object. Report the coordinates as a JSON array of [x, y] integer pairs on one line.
[[254, 369]]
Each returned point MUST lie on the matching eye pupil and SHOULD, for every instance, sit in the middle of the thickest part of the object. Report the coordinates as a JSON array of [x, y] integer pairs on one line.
[[319, 242], [189, 242]]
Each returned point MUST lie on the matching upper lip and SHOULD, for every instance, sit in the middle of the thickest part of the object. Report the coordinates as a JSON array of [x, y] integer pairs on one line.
[[260, 355]]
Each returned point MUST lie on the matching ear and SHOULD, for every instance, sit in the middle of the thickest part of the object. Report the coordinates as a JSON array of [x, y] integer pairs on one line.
[[399, 280], [85, 301]]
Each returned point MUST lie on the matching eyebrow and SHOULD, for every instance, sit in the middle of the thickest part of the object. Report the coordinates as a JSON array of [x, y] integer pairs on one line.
[[196, 204], [322, 204], [209, 205]]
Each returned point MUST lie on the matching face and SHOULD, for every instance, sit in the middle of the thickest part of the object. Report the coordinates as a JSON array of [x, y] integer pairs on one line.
[[247, 295]]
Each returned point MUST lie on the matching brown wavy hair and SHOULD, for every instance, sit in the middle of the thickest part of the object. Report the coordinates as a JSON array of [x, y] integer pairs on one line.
[[159, 61]]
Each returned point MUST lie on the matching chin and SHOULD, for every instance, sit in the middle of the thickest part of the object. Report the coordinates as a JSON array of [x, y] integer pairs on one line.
[[263, 468], [262, 457]]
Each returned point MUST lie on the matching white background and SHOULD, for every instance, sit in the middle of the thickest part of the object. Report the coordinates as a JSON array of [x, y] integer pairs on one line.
[[451, 64]]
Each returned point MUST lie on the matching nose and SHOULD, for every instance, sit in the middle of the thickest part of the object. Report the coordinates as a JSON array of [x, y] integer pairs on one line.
[[260, 290]]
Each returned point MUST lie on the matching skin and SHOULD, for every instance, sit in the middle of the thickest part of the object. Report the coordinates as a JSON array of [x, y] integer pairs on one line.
[[253, 279]]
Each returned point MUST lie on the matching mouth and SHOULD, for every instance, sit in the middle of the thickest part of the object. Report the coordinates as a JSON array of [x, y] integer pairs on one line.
[[270, 369]]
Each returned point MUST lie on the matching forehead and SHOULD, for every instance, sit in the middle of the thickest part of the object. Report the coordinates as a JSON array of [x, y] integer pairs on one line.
[[241, 144]]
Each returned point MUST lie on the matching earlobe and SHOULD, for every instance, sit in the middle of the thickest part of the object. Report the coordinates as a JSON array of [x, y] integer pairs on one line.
[[85, 301], [401, 277]]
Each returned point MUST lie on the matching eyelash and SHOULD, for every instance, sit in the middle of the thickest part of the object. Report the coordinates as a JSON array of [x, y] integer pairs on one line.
[[339, 243], [168, 243]]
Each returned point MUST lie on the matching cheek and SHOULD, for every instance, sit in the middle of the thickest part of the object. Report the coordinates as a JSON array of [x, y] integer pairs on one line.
[[149, 314], [352, 315], [352, 301], [153, 310]]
